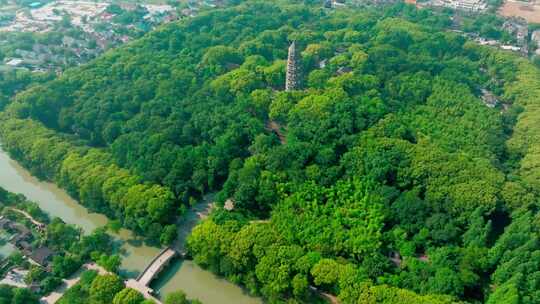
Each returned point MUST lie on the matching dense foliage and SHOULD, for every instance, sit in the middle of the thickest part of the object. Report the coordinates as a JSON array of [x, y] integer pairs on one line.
[[179, 297], [488, 26], [10, 295], [90, 176], [385, 179], [101, 289], [14, 81]]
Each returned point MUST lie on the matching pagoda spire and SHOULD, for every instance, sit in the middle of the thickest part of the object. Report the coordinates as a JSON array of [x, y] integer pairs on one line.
[[293, 69]]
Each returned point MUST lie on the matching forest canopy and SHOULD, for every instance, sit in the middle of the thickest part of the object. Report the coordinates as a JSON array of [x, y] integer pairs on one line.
[[385, 178]]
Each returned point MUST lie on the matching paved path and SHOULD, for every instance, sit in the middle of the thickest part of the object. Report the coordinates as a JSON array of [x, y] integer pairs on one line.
[[54, 296], [276, 128], [329, 297], [146, 291], [28, 216], [192, 217]]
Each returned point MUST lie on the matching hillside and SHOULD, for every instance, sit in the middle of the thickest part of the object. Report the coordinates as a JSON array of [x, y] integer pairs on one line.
[[385, 179]]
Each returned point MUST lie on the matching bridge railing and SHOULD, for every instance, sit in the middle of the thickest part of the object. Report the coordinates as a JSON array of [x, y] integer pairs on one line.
[[141, 275]]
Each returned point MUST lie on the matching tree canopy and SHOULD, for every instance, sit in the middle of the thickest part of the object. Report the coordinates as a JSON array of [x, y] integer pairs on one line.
[[386, 178]]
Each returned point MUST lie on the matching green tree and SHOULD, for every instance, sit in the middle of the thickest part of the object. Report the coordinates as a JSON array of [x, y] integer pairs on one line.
[[23, 296], [104, 288], [177, 297], [128, 296], [168, 236], [110, 263]]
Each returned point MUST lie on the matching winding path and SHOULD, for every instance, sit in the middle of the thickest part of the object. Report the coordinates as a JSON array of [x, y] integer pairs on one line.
[[332, 299], [54, 296], [28, 216], [275, 127]]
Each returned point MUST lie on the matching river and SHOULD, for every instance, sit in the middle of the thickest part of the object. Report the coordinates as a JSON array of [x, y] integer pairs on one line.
[[184, 275]]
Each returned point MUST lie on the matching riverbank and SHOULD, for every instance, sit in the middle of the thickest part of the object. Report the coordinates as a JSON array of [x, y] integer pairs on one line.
[[184, 275]]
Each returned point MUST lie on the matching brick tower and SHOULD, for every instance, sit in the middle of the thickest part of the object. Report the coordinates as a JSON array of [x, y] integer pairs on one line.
[[293, 69]]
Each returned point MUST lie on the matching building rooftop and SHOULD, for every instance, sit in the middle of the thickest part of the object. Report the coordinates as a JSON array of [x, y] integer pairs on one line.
[[20, 228], [14, 62], [41, 255], [15, 278], [4, 222]]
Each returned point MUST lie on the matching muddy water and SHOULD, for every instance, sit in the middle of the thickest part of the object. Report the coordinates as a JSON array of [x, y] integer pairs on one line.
[[196, 282]]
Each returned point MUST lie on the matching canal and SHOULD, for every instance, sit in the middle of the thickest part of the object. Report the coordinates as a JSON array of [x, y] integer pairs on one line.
[[184, 275]]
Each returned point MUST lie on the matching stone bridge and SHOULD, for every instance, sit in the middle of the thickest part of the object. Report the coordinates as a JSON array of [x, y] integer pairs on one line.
[[156, 266], [160, 262]]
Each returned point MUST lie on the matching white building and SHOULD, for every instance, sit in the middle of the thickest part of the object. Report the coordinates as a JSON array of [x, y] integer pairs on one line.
[[510, 48], [464, 5], [14, 62]]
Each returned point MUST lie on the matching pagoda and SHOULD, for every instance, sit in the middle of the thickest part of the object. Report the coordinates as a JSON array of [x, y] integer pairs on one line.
[[293, 69]]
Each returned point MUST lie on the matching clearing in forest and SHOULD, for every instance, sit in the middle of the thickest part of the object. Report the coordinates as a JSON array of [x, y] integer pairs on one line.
[[528, 10]]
